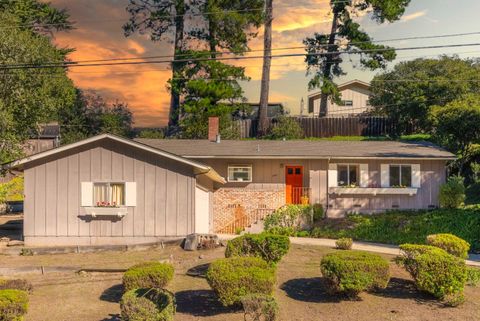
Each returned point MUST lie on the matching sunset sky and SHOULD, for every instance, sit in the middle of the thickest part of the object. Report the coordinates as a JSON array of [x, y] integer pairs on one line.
[[98, 35]]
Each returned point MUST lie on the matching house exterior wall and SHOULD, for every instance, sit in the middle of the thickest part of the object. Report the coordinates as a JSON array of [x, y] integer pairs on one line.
[[358, 94], [269, 174], [165, 199]]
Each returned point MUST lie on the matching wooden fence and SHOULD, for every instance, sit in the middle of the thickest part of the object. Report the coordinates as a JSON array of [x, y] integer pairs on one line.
[[328, 127]]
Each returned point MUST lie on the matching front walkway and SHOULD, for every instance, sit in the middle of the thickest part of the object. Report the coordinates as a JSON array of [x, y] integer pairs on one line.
[[474, 259]]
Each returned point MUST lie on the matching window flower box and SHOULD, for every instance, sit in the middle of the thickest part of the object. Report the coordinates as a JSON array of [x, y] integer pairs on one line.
[[373, 191], [106, 211]]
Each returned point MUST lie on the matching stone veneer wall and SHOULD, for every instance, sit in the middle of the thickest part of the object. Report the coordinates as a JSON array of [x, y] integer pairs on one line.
[[229, 202]]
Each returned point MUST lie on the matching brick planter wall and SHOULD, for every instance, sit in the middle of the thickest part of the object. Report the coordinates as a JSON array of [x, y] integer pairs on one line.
[[230, 203]]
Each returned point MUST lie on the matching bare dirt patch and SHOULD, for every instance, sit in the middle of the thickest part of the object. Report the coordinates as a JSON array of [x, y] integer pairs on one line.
[[301, 292]]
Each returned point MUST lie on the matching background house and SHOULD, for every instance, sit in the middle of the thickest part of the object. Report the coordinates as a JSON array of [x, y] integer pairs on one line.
[[355, 101]]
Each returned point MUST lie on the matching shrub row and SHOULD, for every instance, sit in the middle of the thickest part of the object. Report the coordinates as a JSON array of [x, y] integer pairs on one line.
[[14, 298], [145, 298], [267, 246]]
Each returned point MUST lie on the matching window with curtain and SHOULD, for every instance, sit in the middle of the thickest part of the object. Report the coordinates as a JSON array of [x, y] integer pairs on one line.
[[240, 173], [400, 175], [348, 175], [109, 194]]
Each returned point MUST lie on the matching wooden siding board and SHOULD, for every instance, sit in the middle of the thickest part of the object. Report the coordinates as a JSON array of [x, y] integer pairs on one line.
[[182, 209], [149, 199], [139, 216], [62, 196], [128, 176], [40, 199], [160, 199], [85, 176], [171, 204], [51, 199], [73, 195], [29, 210]]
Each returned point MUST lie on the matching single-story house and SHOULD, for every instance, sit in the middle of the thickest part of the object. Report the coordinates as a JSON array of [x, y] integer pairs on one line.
[[112, 190]]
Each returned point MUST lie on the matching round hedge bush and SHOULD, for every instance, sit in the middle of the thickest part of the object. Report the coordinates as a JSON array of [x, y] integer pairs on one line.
[[147, 305], [435, 271], [450, 243], [148, 275], [13, 304], [267, 246], [352, 272], [235, 277]]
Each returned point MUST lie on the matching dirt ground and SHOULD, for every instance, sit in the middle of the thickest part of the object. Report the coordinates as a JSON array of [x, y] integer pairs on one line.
[[300, 290]]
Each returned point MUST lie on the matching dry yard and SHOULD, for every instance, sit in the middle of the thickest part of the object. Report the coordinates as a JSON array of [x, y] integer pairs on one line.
[[300, 291]]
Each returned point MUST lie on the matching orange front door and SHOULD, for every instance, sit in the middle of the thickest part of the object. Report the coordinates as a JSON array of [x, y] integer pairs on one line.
[[294, 183]]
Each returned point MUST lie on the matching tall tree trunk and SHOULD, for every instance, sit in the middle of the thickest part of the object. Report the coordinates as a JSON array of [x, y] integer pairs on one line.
[[327, 68], [174, 112], [267, 60]]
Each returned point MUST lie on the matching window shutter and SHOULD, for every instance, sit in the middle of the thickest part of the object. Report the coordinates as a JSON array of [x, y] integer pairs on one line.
[[86, 193], [332, 175], [130, 194], [416, 176], [385, 175], [363, 175]]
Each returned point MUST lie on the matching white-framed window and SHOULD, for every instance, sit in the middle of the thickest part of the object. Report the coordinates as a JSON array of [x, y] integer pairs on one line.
[[347, 103], [400, 175], [108, 194], [348, 175], [240, 173]]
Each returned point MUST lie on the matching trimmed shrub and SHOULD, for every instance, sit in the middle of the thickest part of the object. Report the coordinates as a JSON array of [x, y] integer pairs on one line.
[[235, 277], [450, 243], [148, 275], [286, 128], [267, 246], [147, 305], [435, 271], [13, 305], [290, 216], [352, 272], [452, 193], [473, 276], [345, 243], [260, 307], [16, 284]]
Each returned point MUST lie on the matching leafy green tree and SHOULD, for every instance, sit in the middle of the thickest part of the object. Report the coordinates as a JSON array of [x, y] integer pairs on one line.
[[151, 133], [28, 97], [407, 93], [286, 128], [323, 58], [218, 95], [92, 115], [457, 124], [40, 17]]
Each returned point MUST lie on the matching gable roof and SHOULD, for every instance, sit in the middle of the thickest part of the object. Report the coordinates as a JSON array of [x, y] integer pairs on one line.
[[357, 82], [199, 168], [299, 149]]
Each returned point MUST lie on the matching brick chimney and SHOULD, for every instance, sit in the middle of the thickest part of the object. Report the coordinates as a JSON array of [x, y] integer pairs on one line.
[[213, 129]]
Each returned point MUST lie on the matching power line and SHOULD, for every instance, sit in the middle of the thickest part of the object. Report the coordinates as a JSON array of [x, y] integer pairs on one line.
[[74, 64]]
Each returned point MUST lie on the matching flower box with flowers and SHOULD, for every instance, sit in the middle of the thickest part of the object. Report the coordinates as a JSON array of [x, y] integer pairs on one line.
[[107, 204], [106, 209]]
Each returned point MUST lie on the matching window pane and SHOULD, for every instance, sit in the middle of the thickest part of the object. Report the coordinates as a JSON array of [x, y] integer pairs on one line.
[[298, 171], [342, 175], [118, 194], [394, 176], [289, 171], [407, 176], [100, 194], [239, 174], [353, 175]]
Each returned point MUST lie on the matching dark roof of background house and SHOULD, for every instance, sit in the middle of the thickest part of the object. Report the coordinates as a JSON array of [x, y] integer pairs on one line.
[[298, 148]]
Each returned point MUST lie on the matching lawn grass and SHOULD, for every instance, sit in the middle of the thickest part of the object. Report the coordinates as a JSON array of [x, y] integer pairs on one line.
[[398, 227]]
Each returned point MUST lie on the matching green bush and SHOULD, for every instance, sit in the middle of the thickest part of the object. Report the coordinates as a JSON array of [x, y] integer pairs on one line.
[[148, 275], [400, 227], [260, 307], [12, 190], [233, 278], [318, 212], [269, 247], [473, 276], [16, 284], [147, 305], [13, 305], [344, 243], [289, 217], [352, 272], [452, 193], [286, 128], [435, 271], [450, 243]]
